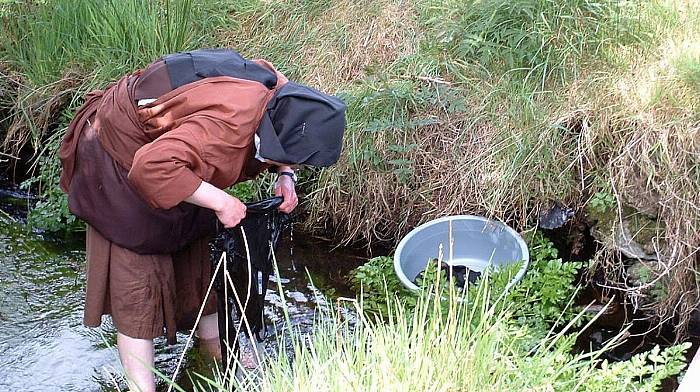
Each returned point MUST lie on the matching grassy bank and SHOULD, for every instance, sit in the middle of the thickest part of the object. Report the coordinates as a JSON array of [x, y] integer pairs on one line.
[[503, 108], [491, 107], [57, 51]]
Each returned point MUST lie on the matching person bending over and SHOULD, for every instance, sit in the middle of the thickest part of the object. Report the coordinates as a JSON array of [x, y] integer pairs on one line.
[[144, 164]]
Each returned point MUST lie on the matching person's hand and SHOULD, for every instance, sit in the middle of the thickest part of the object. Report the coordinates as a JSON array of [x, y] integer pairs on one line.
[[285, 187], [231, 211]]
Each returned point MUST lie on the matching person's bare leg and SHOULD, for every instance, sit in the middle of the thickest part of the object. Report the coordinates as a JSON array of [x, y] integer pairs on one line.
[[208, 333], [137, 359], [209, 327]]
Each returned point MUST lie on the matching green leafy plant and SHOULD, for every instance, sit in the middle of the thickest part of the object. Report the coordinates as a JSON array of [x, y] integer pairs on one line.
[[51, 211], [602, 202], [543, 296], [375, 281], [643, 372], [540, 300], [245, 191]]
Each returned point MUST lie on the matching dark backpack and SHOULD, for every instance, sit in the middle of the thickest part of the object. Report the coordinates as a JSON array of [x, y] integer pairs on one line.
[[188, 67]]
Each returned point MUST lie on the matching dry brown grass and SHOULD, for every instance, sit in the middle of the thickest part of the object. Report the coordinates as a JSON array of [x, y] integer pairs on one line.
[[355, 35], [33, 111], [331, 47], [654, 170], [463, 165], [653, 165]]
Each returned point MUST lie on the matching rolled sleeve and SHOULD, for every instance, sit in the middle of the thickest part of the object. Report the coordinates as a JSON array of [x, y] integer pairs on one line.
[[165, 171]]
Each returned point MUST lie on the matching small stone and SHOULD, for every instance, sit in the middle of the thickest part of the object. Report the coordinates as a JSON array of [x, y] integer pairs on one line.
[[555, 217]]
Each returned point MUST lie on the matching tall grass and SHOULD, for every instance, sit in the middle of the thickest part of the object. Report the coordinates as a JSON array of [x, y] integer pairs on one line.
[[56, 51], [39, 38], [444, 344], [60, 48], [325, 43], [540, 40], [276, 31], [109, 36]]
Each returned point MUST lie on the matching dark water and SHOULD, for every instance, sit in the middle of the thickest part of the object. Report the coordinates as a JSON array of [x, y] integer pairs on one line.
[[45, 347]]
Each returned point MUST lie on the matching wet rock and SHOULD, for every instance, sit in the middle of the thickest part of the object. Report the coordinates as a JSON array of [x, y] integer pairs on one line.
[[624, 241], [598, 339], [640, 196], [634, 234], [640, 238], [694, 325], [555, 217], [297, 296]]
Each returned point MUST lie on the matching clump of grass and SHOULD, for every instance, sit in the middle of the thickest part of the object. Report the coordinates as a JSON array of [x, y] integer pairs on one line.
[[110, 37], [540, 40], [65, 48], [276, 31]]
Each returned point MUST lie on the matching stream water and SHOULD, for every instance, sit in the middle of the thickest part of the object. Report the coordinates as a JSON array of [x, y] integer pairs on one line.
[[45, 347]]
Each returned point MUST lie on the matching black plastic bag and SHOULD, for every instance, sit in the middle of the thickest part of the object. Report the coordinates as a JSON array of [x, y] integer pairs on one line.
[[249, 251]]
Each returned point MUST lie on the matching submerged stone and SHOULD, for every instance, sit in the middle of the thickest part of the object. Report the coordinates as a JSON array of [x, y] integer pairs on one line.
[[635, 235]]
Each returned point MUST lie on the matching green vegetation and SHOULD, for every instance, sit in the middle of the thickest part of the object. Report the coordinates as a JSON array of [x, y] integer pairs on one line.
[[448, 339], [543, 296], [602, 202], [46, 39], [469, 349], [57, 51], [489, 107]]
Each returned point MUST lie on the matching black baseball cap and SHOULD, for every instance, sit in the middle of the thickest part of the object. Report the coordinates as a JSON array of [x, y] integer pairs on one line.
[[302, 126]]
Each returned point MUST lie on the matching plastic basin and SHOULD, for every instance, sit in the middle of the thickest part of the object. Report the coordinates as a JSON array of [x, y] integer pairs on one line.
[[477, 242]]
